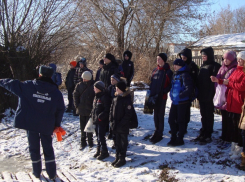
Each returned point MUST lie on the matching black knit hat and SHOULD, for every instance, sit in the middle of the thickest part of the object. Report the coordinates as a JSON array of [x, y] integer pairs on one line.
[[46, 71], [163, 56], [110, 56], [179, 62], [101, 61], [128, 53], [122, 86], [99, 85]]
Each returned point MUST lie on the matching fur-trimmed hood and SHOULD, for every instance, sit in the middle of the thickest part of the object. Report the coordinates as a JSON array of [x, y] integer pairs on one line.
[[126, 93]]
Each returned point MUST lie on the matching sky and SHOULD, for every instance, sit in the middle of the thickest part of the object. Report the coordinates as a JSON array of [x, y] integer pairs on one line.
[[216, 6], [223, 3]]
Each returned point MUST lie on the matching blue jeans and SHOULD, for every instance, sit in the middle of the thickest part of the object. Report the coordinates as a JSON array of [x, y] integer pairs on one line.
[[48, 151]]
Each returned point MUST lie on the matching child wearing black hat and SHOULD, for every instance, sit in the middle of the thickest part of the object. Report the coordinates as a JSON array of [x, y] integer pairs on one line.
[[100, 117], [120, 114], [180, 93], [110, 68], [159, 88], [111, 90]]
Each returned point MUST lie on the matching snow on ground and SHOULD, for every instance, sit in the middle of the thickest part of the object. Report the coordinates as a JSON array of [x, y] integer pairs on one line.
[[191, 162]]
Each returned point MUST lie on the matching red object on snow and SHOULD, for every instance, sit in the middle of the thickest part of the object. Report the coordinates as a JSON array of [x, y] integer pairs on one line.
[[59, 132]]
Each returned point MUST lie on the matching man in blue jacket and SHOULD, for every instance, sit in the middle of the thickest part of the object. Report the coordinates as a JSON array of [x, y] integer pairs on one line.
[[40, 110]]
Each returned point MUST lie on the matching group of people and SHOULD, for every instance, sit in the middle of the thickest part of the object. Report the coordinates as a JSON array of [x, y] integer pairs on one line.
[[107, 101], [214, 85], [41, 108]]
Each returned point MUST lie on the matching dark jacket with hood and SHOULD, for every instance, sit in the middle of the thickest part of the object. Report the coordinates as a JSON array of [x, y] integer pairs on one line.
[[121, 113], [56, 76], [69, 82], [160, 74], [206, 88], [101, 108], [193, 68], [83, 97], [40, 107], [107, 71], [128, 67], [182, 86], [111, 91], [97, 77]]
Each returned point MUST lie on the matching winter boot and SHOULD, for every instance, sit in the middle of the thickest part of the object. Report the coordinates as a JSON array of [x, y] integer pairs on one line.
[[116, 160], [36, 175], [103, 155], [172, 141], [91, 144], [83, 145], [153, 137], [120, 162], [68, 109], [157, 139], [198, 138], [179, 142], [243, 160], [204, 140], [53, 178], [233, 145], [97, 152]]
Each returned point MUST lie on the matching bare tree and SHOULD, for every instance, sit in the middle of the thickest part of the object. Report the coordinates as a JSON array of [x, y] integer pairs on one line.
[[35, 32], [225, 21]]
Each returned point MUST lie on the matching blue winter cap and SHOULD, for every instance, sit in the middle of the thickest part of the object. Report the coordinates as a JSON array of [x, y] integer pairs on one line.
[[179, 62], [116, 77], [100, 85], [83, 61], [46, 71]]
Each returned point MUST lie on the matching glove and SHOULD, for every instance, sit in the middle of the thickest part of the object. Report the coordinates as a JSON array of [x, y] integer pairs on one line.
[[59, 132]]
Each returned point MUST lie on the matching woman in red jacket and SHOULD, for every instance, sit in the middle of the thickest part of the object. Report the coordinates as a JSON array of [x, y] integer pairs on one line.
[[235, 98]]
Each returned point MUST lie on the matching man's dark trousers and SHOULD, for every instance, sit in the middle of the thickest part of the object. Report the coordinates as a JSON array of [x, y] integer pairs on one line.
[[48, 151]]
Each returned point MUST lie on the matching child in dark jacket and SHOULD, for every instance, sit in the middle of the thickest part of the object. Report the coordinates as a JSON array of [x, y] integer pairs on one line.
[[100, 117], [180, 93], [111, 90], [120, 114]]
